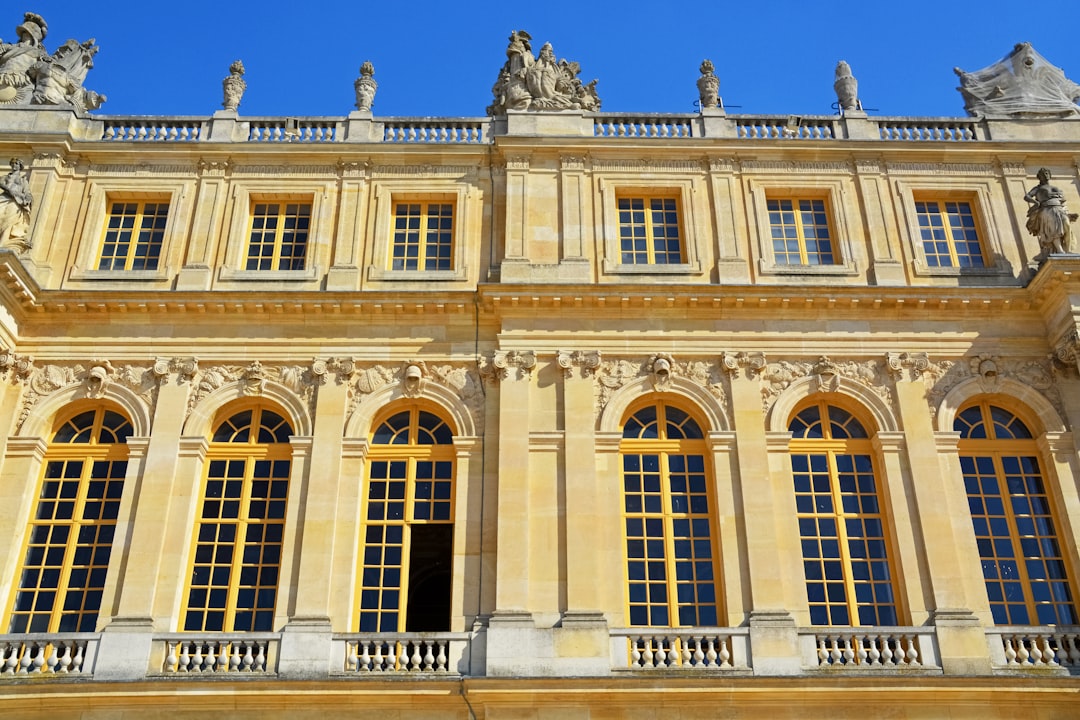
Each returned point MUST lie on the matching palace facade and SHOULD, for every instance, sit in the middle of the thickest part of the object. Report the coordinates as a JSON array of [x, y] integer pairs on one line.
[[552, 414]]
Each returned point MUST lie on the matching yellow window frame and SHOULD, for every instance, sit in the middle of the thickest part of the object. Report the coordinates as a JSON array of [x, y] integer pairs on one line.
[[88, 453], [800, 227], [649, 254], [258, 236], [133, 236], [664, 448], [937, 249], [411, 453], [398, 258], [250, 451]]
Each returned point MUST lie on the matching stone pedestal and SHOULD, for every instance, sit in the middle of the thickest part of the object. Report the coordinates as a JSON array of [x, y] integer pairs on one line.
[[305, 651], [124, 649], [961, 642], [774, 642]]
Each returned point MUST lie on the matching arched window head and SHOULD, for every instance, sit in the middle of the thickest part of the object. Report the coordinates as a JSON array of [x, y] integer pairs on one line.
[[1027, 576], [236, 552], [842, 524], [70, 536], [405, 582], [671, 557]]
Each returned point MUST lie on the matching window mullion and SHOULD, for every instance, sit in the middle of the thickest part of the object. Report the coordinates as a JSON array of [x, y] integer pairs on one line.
[[842, 539], [799, 233], [1015, 539]]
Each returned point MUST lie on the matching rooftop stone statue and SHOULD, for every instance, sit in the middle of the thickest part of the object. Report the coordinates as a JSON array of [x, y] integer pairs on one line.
[[365, 87], [30, 76], [708, 86], [847, 88], [234, 86], [1021, 84], [527, 82]]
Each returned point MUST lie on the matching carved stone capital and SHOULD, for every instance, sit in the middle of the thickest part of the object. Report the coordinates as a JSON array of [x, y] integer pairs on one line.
[[343, 369], [16, 367], [587, 361], [906, 366], [510, 364], [1067, 351], [752, 363]]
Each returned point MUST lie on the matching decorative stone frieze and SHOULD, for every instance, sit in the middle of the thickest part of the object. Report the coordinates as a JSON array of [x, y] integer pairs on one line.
[[613, 374], [988, 370], [826, 372], [906, 366], [508, 365], [301, 380], [587, 361], [1012, 169], [791, 166], [972, 169], [463, 380], [647, 166], [426, 171], [94, 379]]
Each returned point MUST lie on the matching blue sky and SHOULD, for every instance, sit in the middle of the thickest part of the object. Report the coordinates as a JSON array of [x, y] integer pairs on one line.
[[441, 58]]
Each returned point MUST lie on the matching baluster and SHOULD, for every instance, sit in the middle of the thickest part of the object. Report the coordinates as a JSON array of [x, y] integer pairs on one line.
[[888, 656], [849, 650], [1074, 651], [254, 663], [710, 650], [402, 657], [725, 651], [197, 658], [26, 659], [170, 656], [440, 657], [365, 658], [429, 658], [647, 655], [64, 664], [416, 659], [210, 660], [378, 661], [51, 658], [686, 653], [635, 652], [822, 652], [1022, 653], [184, 658], [1010, 649], [873, 655], [223, 655], [351, 659], [674, 651], [860, 648], [11, 659], [77, 661], [235, 660], [835, 655], [699, 654], [912, 651], [39, 657]]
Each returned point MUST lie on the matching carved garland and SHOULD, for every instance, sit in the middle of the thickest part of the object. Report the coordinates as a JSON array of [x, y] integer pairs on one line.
[[777, 376], [988, 370], [462, 379], [613, 374]]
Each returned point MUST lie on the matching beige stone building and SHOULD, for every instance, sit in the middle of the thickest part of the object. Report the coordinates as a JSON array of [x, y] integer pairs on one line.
[[553, 414]]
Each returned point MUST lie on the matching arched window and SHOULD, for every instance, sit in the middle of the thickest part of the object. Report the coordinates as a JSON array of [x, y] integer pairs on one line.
[[408, 530], [1026, 575], [236, 553], [849, 580], [671, 572], [70, 536]]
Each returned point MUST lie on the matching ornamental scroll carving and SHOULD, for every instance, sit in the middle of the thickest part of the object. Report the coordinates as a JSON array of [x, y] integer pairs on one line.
[[826, 372], [461, 379], [988, 370], [252, 378], [613, 374], [94, 378], [508, 365], [587, 361]]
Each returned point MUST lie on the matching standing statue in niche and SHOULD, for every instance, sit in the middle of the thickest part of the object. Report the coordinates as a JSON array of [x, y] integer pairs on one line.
[[526, 82], [1047, 218], [234, 86], [30, 76], [365, 87], [15, 203]]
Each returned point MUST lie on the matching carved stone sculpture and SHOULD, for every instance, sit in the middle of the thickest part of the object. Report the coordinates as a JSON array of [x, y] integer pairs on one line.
[[527, 82], [708, 86], [1047, 218], [234, 86], [30, 76], [1022, 84], [847, 88], [365, 87], [15, 203]]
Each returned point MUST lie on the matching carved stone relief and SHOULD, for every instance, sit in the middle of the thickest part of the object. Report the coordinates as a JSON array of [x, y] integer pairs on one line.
[[613, 374], [463, 380], [826, 373], [301, 380], [94, 377], [507, 365], [988, 370], [587, 361], [15, 204]]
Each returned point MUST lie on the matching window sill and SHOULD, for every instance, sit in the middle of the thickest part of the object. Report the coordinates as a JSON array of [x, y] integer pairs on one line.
[[1002, 268], [673, 269], [160, 274], [456, 275], [766, 267], [310, 273]]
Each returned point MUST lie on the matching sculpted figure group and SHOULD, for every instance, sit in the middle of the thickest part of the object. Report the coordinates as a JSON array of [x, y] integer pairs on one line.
[[29, 75], [527, 82]]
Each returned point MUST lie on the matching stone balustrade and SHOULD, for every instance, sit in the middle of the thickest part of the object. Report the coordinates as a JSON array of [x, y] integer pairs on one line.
[[436, 130], [869, 648], [307, 130], [681, 648], [219, 653], [121, 129], [47, 654], [620, 125], [403, 652], [786, 127], [928, 129], [1025, 648]]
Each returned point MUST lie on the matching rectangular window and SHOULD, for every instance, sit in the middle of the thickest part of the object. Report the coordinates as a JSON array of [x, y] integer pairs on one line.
[[279, 236], [949, 234], [133, 236], [800, 231], [649, 231], [423, 236]]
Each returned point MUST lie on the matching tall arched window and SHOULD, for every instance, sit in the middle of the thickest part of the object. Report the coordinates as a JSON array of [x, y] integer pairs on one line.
[[1026, 575], [849, 580], [671, 571], [70, 536], [408, 531], [236, 553]]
